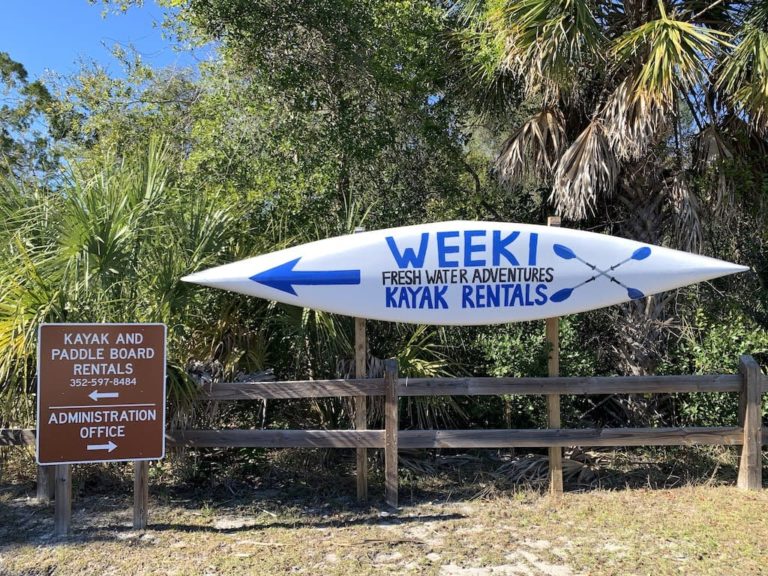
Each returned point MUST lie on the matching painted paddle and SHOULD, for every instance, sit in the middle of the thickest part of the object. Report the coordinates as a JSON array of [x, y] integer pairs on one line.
[[567, 254]]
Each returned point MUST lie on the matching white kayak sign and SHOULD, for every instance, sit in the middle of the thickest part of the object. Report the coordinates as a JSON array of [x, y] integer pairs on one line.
[[464, 273]]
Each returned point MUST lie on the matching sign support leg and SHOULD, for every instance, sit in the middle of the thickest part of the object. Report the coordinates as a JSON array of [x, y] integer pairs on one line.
[[46, 482], [140, 494], [63, 513], [391, 427], [361, 402], [553, 400], [361, 409]]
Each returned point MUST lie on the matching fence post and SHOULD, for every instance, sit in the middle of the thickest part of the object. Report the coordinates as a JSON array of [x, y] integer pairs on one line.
[[553, 400], [63, 511], [391, 427], [46, 482], [140, 494], [750, 417]]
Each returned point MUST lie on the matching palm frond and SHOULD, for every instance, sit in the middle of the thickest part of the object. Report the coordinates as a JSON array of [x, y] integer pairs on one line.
[[478, 53], [667, 55], [424, 354], [109, 245], [466, 9], [480, 50], [744, 76], [587, 169], [547, 40], [632, 121], [712, 153], [534, 149], [711, 148], [687, 222]]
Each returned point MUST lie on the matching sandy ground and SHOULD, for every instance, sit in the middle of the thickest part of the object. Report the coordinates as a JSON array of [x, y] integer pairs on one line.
[[716, 531]]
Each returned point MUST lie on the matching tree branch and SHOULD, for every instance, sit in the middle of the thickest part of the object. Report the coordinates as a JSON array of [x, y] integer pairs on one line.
[[707, 9]]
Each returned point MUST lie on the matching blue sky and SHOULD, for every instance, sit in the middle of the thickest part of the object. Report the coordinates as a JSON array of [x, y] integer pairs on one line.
[[56, 35]]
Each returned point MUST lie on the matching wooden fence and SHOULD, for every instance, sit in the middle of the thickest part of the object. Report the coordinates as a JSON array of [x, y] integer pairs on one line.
[[750, 384]]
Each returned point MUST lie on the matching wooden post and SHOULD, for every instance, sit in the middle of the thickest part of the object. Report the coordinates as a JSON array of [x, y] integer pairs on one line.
[[553, 400], [361, 402], [140, 494], [750, 417], [63, 512], [361, 409], [391, 426], [46, 482]]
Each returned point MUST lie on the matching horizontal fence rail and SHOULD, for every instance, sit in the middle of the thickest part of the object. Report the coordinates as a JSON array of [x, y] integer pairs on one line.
[[277, 438], [567, 385], [750, 384], [294, 389], [17, 437], [593, 385], [537, 438], [411, 439]]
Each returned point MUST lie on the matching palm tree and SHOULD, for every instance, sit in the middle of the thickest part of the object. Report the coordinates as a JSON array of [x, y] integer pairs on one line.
[[643, 109], [109, 245]]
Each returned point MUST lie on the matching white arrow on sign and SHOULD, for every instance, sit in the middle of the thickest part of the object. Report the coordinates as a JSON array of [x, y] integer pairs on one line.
[[95, 395], [108, 447]]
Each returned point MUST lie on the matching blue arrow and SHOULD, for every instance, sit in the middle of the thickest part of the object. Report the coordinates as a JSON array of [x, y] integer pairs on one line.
[[284, 277]]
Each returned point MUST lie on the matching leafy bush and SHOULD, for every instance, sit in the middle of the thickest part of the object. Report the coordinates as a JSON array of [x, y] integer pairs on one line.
[[711, 344]]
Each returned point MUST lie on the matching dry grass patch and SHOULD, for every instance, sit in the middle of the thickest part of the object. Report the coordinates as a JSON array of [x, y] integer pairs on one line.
[[703, 531]]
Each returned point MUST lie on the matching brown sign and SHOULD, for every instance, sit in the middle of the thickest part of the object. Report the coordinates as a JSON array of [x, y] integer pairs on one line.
[[100, 393]]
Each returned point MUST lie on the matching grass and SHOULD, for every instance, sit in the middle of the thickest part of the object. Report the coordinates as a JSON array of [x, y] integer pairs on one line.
[[699, 530]]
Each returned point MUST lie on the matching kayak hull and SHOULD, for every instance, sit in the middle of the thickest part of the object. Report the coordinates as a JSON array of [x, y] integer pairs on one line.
[[464, 273]]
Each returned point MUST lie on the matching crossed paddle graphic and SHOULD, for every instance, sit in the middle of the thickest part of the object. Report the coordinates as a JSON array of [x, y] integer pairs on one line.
[[567, 254]]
